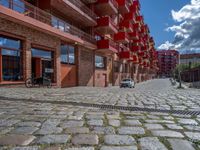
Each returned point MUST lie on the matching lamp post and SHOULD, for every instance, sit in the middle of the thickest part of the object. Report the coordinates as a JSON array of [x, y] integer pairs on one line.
[[179, 71]]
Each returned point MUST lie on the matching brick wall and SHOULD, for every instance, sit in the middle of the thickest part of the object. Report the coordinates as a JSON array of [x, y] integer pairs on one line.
[[85, 67], [30, 37]]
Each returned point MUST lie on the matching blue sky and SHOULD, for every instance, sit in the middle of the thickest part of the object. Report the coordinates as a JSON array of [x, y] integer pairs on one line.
[[158, 15]]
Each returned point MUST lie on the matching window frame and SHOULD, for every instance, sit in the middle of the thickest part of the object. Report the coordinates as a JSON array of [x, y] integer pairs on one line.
[[68, 55], [104, 62], [20, 50]]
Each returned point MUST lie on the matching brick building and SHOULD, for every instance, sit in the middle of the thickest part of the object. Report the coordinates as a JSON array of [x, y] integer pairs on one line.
[[75, 42], [167, 61], [190, 58]]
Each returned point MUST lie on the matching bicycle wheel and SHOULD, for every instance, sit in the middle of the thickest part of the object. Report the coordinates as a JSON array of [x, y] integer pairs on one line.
[[49, 84], [29, 83]]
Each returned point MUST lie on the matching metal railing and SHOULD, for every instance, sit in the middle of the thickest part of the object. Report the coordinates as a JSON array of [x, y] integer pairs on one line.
[[113, 44], [36, 13], [83, 8]]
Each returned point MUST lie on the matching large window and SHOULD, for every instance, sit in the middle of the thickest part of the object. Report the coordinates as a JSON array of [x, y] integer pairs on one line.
[[67, 54], [10, 51], [100, 62]]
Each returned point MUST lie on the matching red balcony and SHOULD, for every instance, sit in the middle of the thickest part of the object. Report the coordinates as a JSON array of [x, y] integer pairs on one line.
[[136, 27], [107, 46], [130, 17], [135, 59], [125, 55], [106, 7], [141, 53], [123, 6], [133, 35], [135, 48], [139, 18], [105, 25], [121, 37], [126, 25]]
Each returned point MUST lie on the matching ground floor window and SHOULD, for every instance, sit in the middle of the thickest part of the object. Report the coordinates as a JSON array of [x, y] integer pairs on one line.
[[100, 62], [67, 54], [11, 59], [42, 63]]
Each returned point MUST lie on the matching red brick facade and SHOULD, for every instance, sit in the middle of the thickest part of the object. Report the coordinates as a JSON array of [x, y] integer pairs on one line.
[[39, 30]]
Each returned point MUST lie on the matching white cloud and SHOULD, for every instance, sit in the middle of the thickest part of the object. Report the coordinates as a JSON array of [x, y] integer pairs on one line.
[[187, 29]]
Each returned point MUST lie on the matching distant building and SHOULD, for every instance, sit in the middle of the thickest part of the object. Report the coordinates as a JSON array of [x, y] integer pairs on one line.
[[190, 58], [167, 61]]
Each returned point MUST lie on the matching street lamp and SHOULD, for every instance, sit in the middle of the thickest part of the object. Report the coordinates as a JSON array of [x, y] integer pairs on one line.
[[179, 71]]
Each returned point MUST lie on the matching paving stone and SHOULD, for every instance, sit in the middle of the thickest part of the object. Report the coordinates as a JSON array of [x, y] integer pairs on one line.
[[75, 130], [72, 123], [26, 148], [153, 126], [114, 123], [179, 144], [131, 130], [29, 124], [86, 139], [49, 130], [151, 143], [8, 123], [53, 148], [193, 135], [118, 148], [95, 122], [187, 121], [82, 148], [24, 130], [174, 126], [6, 130], [53, 139], [103, 130], [132, 122], [159, 121], [167, 133], [92, 116], [193, 128], [119, 140], [16, 140]]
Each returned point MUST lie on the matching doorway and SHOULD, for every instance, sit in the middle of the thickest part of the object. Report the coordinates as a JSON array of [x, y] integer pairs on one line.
[[42, 64]]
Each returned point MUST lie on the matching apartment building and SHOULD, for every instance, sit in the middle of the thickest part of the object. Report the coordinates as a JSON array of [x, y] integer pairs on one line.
[[75, 42], [167, 61], [190, 58]]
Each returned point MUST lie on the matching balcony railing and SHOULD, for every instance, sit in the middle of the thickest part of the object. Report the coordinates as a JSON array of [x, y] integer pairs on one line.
[[45, 17], [83, 8]]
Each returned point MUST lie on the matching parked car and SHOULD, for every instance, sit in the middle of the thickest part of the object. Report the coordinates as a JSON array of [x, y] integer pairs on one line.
[[127, 83]]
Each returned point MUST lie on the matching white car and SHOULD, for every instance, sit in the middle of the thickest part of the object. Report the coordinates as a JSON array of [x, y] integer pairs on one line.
[[127, 83]]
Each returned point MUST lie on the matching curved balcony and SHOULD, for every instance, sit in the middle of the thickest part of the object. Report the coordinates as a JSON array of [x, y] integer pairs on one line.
[[105, 25], [123, 6], [130, 17], [106, 7], [126, 26], [107, 46], [121, 37], [125, 55], [134, 35]]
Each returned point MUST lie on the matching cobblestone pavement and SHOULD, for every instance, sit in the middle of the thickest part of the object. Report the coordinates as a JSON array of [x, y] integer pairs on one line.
[[26, 125]]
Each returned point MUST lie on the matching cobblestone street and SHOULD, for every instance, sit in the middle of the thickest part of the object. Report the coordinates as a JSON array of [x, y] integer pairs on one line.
[[35, 122]]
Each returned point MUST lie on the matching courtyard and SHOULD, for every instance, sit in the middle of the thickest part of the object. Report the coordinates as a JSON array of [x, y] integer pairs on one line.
[[153, 116]]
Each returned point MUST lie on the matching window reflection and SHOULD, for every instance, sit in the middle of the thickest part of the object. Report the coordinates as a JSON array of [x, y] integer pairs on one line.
[[11, 59], [100, 62], [67, 54], [41, 53]]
